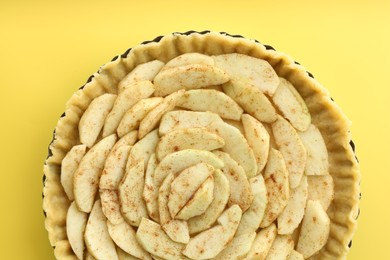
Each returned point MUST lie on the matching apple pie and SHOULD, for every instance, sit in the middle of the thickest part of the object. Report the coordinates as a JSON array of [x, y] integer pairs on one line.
[[201, 146]]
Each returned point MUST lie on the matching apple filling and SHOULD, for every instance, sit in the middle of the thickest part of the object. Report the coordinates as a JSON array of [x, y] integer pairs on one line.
[[202, 157]]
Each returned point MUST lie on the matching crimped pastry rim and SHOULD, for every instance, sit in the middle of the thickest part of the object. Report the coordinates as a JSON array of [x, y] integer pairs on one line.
[[326, 115]]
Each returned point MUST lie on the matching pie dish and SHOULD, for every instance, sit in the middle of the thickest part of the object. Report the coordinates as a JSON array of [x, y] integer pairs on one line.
[[201, 146]]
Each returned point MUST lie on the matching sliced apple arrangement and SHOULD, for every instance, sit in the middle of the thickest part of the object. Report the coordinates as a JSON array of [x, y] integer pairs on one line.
[[204, 157]]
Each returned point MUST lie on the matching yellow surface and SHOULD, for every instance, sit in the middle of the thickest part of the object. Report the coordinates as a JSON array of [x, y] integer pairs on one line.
[[49, 48]]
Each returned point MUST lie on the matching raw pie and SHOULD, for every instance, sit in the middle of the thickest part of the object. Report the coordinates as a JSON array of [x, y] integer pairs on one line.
[[201, 146]]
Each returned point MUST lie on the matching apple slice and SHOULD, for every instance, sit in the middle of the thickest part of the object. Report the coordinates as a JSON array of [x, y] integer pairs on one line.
[[97, 238], [293, 107], [128, 139], [221, 195], [177, 230], [150, 121], [132, 118], [111, 206], [191, 76], [114, 167], [190, 138], [314, 231], [178, 161], [186, 184], [252, 217], [295, 256], [258, 139], [86, 178], [321, 188], [254, 71], [130, 194], [145, 71], [181, 119], [263, 242], [292, 149], [130, 95], [236, 124], [236, 146], [88, 256], [122, 255], [150, 193], [281, 247], [154, 240], [92, 121], [251, 99], [143, 149], [189, 58], [211, 242], [293, 213], [317, 155], [76, 221], [240, 190], [238, 247], [198, 204], [124, 236], [277, 185], [211, 100], [69, 165]]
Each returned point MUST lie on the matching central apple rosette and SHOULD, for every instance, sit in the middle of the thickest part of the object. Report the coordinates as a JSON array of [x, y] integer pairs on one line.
[[203, 169]]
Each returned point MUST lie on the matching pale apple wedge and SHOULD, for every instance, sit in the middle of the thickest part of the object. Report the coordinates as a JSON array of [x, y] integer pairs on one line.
[[76, 221], [200, 201], [314, 231], [277, 185], [92, 121], [252, 217], [262, 243], [88, 256], [69, 165], [258, 139], [128, 139], [97, 238], [293, 213], [150, 193], [111, 206], [190, 138], [132, 118], [238, 247], [86, 178], [186, 184], [211, 100], [191, 76], [251, 99], [317, 155], [177, 230], [145, 71], [124, 237], [295, 256], [236, 146], [292, 149], [321, 188], [291, 105], [240, 189], [181, 119], [133, 207], [178, 161], [154, 240], [126, 99], [189, 58], [221, 195], [281, 247], [114, 167], [248, 69], [143, 149], [151, 120], [211, 242]]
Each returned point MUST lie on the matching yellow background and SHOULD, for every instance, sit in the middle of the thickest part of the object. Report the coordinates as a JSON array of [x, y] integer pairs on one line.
[[49, 48]]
